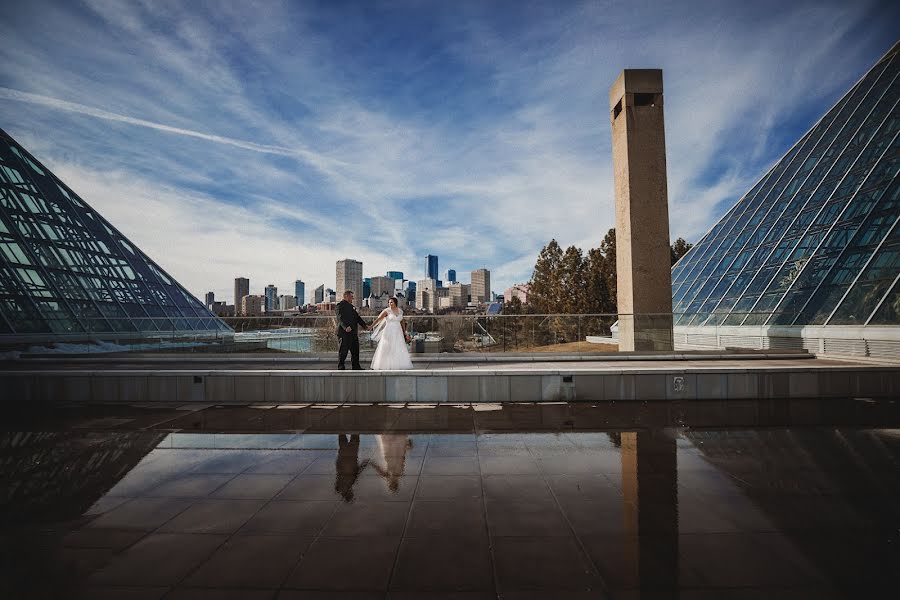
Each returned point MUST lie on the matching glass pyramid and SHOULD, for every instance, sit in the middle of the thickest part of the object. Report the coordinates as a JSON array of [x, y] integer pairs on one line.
[[815, 242], [65, 272]]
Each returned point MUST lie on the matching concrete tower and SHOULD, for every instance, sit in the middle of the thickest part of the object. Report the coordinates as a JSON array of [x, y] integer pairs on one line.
[[643, 263]]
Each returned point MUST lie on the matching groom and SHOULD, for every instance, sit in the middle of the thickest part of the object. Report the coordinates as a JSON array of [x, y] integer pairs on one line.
[[348, 319]]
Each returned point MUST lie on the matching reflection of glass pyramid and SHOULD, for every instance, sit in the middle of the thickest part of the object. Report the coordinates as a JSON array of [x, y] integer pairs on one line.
[[815, 241], [66, 272]]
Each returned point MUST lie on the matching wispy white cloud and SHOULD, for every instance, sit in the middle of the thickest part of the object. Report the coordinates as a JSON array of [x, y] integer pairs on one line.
[[191, 236], [312, 158], [477, 132]]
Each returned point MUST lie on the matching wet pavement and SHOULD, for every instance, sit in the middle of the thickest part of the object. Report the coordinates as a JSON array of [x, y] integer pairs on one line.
[[772, 499]]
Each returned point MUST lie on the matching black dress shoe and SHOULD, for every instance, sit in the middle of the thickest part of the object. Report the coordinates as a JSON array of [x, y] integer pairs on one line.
[[342, 368]]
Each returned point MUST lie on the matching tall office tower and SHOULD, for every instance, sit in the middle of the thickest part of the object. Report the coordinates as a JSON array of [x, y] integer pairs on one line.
[[395, 274], [459, 294], [431, 267], [287, 302], [319, 294], [450, 276], [643, 267], [271, 297], [382, 285], [241, 289], [481, 285], [330, 295], [425, 293], [300, 292], [348, 276], [367, 287], [210, 299], [250, 306]]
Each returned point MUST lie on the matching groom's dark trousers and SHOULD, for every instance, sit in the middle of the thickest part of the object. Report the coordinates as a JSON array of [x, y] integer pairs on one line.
[[349, 343], [348, 317]]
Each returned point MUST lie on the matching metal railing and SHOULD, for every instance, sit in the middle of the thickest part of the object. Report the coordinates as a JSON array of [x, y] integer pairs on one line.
[[455, 333], [463, 332]]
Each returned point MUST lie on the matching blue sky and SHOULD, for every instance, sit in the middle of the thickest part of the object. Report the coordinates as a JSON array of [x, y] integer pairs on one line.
[[271, 139]]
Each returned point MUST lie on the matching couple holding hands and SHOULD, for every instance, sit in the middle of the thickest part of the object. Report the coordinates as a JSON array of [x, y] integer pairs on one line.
[[388, 330]]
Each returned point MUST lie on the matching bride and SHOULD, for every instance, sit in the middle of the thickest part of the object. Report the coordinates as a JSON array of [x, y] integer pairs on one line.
[[389, 330]]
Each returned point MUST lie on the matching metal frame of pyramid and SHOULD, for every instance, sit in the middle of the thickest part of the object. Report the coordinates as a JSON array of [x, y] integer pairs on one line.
[[67, 274], [816, 241]]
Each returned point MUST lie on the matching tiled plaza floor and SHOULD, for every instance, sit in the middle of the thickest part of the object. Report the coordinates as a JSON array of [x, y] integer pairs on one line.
[[511, 502]]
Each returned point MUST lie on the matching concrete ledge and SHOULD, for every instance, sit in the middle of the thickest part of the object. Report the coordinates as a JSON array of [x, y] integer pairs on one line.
[[468, 357], [435, 386]]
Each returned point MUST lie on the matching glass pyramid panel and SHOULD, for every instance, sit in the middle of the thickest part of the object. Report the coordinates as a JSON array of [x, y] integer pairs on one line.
[[64, 270], [815, 241]]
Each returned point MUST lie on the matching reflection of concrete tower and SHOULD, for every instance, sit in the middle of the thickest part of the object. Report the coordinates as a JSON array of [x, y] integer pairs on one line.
[[643, 267], [650, 508]]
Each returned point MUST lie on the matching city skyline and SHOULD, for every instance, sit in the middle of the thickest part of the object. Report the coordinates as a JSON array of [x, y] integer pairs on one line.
[[226, 169], [246, 286]]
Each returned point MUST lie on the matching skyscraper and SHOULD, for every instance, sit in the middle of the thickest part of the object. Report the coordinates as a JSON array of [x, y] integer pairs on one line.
[[250, 306], [348, 276], [459, 293], [481, 285], [382, 285], [450, 276], [300, 292], [367, 286], [431, 267], [395, 274], [67, 271], [319, 294], [287, 302], [209, 299], [271, 297], [425, 294], [241, 289]]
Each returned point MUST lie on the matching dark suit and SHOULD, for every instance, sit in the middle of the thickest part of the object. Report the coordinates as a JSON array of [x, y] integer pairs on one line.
[[348, 317], [347, 466]]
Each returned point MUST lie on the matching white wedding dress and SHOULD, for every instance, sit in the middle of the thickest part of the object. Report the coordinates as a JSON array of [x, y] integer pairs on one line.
[[391, 353]]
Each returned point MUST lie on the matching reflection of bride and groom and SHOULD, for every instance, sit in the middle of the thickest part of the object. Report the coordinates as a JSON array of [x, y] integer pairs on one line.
[[389, 462], [388, 330]]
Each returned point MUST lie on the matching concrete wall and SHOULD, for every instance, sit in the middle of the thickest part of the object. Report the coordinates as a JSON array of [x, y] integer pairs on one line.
[[456, 386]]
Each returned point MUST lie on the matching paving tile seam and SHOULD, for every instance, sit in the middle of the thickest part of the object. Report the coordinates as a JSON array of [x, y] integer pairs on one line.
[[396, 560], [604, 586], [234, 533], [492, 553]]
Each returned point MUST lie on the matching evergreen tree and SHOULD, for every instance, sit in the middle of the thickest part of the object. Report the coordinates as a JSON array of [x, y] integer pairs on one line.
[[545, 281], [597, 298], [513, 306], [608, 249], [572, 282], [679, 249]]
